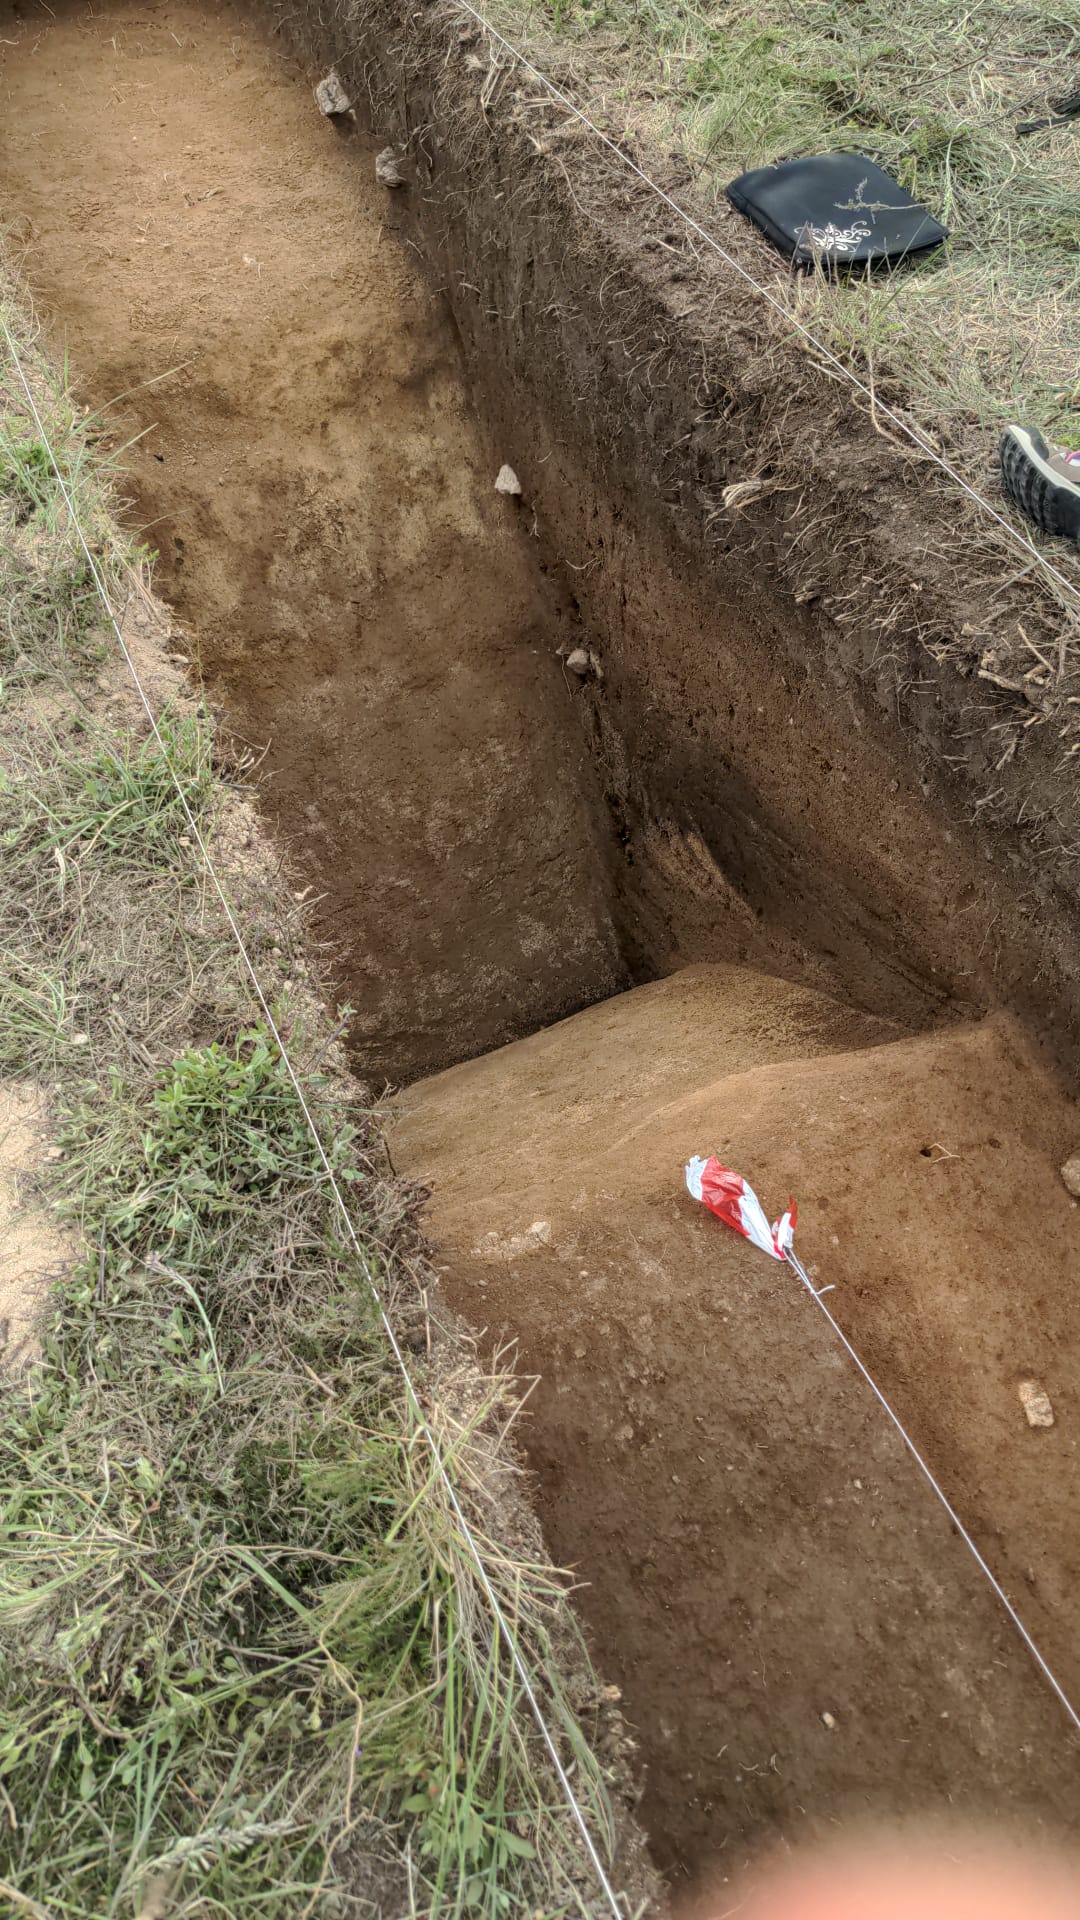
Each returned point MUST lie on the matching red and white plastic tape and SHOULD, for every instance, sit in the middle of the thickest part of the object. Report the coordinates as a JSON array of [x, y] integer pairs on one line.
[[728, 1196]]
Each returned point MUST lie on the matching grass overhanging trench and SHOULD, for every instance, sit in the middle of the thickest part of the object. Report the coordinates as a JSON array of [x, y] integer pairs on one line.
[[247, 1665], [979, 333]]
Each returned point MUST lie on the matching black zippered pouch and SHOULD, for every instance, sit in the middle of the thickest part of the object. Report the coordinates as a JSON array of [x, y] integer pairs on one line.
[[838, 208]]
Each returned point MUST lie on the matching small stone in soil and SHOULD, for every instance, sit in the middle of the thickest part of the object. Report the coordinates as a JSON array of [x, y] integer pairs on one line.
[[388, 168], [1070, 1173], [331, 97], [506, 481], [1036, 1404], [579, 662]]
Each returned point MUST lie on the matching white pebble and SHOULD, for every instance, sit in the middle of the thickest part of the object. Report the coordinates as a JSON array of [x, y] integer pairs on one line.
[[330, 95], [1036, 1404]]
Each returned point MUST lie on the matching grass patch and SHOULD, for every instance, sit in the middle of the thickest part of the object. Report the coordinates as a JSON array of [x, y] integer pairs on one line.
[[979, 333], [50, 612], [247, 1664], [27, 474], [103, 793]]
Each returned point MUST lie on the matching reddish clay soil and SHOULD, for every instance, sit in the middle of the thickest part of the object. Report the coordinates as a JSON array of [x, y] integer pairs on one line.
[[372, 612], [759, 1550]]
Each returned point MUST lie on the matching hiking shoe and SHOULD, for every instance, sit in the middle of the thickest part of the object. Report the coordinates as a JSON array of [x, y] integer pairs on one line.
[[1043, 480]]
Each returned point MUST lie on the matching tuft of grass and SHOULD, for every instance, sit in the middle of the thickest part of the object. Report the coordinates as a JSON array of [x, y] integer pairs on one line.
[[50, 613], [107, 797], [248, 1667], [26, 473]]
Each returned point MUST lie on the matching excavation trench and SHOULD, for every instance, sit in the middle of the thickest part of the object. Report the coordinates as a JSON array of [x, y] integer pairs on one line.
[[768, 937]]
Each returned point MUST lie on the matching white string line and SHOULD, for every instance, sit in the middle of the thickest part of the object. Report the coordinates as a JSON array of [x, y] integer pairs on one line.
[[878, 406], [413, 1398], [965, 1536]]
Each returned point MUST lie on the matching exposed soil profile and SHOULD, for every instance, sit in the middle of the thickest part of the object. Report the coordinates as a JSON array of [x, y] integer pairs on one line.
[[373, 613], [493, 843], [498, 845], [813, 693]]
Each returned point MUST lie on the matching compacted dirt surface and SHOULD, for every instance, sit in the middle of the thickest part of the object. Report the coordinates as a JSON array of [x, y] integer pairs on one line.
[[32, 1249], [375, 615], [758, 1549], [800, 1636]]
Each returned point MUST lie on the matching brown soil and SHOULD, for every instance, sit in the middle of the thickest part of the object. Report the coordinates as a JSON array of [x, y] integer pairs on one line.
[[791, 685], [324, 511], [758, 1548]]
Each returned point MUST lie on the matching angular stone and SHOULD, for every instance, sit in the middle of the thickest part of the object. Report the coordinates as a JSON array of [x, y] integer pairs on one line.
[[331, 97], [388, 168], [1036, 1404]]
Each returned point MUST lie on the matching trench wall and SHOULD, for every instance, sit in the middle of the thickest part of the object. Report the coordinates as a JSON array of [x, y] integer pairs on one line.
[[789, 723]]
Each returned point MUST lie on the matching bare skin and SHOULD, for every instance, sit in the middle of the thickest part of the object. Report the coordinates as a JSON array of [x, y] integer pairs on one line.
[[971, 1878]]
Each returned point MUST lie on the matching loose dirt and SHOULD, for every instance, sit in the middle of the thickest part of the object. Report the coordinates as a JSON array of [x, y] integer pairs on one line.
[[759, 1551], [32, 1249], [374, 614]]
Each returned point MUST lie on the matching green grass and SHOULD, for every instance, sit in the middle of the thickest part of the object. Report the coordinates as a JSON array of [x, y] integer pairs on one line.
[[50, 613], [984, 330], [107, 791], [233, 1606], [26, 473], [246, 1664]]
